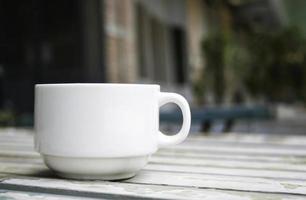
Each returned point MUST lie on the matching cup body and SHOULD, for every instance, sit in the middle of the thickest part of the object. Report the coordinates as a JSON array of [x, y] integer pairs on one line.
[[96, 120]]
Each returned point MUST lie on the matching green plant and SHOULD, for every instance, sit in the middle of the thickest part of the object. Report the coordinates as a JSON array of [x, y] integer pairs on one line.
[[7, 118], [269, 65], [213, 50], [277, 67]]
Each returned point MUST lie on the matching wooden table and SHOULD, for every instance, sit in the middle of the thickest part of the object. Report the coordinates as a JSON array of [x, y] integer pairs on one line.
[[231, 166]]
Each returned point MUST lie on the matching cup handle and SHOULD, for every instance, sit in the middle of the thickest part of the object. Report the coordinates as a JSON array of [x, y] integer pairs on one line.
[[164, 98]]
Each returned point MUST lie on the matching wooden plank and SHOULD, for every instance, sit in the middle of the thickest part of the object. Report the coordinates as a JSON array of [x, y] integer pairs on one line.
[[25, 168], [16, 195], [209, 146], [16, 143], [16, 138], [248, 144], [9, 156], [20, 132], [296, 164], [207, 162], [20, 161], [238, 157], [220, 182], [185, 179], [17, 147], [187, 149], [17, 134], [206, 157], [27, 134], [253, 138], [221, 147], [274, 174], [16, 153], [100, 188], [228, 163], [240, 150], [192, 152], [203, 146], [7, 165], [198, 158], [224, 139], [299, 165]]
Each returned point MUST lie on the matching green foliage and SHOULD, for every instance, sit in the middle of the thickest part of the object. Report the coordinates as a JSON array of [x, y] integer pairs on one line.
[[271, 65], [277, 67], [7, 118], [199, 90], [213, 49]]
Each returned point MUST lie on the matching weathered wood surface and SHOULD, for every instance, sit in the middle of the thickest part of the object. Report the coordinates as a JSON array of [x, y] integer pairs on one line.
[[16, 195], [232, 166]]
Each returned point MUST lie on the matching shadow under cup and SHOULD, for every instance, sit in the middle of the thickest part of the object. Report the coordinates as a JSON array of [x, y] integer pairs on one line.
[[101, 131]]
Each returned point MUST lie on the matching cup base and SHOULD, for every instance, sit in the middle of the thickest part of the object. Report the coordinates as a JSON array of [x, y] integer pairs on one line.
[[105, 177], [95, 168]]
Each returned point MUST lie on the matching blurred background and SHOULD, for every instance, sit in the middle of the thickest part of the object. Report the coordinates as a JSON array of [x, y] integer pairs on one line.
[[240, 63]]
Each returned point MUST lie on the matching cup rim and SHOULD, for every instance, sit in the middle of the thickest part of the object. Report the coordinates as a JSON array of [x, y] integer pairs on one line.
[[96, 85]]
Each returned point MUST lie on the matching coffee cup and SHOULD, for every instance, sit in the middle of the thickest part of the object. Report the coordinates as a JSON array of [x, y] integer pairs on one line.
[[102, 131]]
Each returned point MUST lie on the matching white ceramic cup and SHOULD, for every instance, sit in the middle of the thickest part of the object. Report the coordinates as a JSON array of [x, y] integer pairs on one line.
[[102, 131]]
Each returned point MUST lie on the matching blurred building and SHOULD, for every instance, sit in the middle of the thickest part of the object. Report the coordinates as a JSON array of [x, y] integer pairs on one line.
[[153, 41], [126, 41], [130, 41]]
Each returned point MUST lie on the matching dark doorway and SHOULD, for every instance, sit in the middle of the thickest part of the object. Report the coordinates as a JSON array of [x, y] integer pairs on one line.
[[47, 42], [180, 51]]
